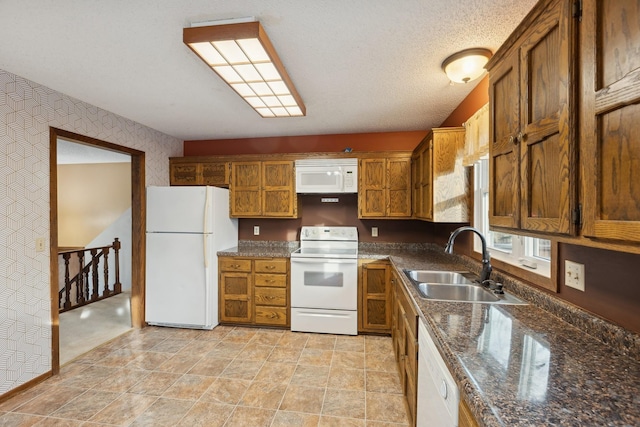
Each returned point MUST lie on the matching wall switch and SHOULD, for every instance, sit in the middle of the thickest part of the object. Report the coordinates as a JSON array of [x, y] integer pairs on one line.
[[256, 230], [374, 231], [574, 275], [40, 244]]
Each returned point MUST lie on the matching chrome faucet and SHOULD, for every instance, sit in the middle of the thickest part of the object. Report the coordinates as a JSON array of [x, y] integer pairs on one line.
[[486, 264]]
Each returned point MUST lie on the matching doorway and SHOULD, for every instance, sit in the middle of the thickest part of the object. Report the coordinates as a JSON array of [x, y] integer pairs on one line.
[[137, 230]]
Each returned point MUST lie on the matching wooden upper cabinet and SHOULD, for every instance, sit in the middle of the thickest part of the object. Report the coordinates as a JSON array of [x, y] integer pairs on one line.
[[533, 174], [199, 173], [263, 189], [610, 119], [384, 188], [441, 184], [245, 189]]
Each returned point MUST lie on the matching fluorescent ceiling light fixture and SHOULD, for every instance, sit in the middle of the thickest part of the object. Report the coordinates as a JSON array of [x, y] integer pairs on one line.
[[466, 65], [242, 55]]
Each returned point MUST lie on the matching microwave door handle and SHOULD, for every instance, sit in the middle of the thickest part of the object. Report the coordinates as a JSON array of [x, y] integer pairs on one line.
[[341, 180]]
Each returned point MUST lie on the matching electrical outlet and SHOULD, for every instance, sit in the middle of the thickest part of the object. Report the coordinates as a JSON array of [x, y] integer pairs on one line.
[[574, 275], [374, 231], [256, 230], [40, 244]]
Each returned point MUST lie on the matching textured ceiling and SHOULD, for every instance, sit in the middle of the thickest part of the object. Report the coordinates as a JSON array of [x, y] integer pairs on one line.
[[359, 65]]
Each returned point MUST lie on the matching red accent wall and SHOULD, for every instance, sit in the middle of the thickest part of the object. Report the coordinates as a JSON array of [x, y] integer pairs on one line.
[[379, 141], [472, 103]]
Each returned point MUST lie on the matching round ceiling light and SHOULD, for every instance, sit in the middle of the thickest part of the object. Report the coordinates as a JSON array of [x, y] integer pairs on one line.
[[466, 65]]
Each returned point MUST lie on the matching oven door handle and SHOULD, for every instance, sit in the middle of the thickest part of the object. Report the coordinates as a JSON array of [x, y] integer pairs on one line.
[[323, 261]]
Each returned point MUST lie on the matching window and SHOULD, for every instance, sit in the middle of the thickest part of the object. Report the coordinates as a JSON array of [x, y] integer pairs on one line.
[[526, 252]]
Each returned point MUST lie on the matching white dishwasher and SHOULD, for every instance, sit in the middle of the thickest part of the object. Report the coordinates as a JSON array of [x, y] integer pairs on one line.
[[438, 394]]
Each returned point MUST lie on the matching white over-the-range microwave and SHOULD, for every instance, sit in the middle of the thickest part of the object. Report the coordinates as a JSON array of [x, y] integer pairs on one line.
[[328, 176]]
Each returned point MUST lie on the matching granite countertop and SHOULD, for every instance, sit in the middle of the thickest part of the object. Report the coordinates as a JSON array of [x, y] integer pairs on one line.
[[261, 249], [520, 365]]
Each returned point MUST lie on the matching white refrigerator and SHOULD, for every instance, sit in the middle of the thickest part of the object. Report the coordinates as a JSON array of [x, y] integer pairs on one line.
[[186, 227]]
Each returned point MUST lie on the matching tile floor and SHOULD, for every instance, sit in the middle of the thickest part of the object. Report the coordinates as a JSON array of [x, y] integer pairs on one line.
[[230, 376]]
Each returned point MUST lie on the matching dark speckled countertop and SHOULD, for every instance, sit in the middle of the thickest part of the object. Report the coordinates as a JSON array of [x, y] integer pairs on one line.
[[522, 365]]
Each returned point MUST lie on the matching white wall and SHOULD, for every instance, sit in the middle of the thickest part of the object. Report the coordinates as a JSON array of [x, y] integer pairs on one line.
[[27, 110]]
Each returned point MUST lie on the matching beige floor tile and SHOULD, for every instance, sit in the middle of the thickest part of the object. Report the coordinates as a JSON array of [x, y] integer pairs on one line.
[[303, 399], [124, 409], [179, 364], [285, 354], [242, 369], [276, 372], [383, 382], [267, 337], [59, 422], [316, 357], [376, 344], [226, 350], [293, 339], [122, 380], [51, 400], [295, 419], [206, 414], [118, 357], [264, 395], [216, 333], [311, 376], [190, 387], [250, 417], [90, 377], [25, 396], [328, 421], [226, 390], [163, 413], [344, 403], [148, 361], [371, 423], [386, 407], [346, 379], [322, 342], [198, 348], [257, 352], [86, 405], [170, 345], [350, 343], [210, 366], [348, 359], [385, 362], [240, 335], [11, 419], [155, 383]]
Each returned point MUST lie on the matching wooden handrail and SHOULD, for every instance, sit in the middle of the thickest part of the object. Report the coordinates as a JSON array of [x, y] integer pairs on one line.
[[83, 287]]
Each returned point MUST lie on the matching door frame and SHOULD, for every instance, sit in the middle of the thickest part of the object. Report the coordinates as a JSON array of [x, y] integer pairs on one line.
[[138, 226]]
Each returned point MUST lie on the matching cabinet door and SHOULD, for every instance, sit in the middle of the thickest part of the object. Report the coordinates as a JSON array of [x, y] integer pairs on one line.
[[547, 170], [450, 183], [371, 188], [376, 297], [426, 181], [184, 173], [278, 189], [235, 297], [504, 93], [398, 187], [245, 189], [216, 174], [610, 119]]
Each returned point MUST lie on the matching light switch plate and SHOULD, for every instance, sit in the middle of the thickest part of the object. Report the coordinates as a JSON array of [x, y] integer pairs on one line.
[[256, 230], [374, 231], [574, 275], [40, 244]]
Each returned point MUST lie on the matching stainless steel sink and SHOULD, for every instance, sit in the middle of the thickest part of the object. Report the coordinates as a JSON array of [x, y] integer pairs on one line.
[[456, 286], [461, 293], [434, 276]]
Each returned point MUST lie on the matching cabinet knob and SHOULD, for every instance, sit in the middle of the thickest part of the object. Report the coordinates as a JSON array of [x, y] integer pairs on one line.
[[512, 140], [270, 267], [521, 137]]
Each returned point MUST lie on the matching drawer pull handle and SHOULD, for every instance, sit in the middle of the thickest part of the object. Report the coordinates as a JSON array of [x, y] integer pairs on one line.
[[270, 267]]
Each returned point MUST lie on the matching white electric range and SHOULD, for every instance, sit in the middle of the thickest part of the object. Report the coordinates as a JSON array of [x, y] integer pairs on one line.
[[324, 281]]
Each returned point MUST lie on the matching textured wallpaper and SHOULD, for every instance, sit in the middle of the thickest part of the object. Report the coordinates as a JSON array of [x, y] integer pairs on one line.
[[27, 110]]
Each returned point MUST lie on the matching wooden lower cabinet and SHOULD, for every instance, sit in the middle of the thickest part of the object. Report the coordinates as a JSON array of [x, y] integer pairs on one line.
[[465, 417], [374, 296], [404, 336], [254, 291]]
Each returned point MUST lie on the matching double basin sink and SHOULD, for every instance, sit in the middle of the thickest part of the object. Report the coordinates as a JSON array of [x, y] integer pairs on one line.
[[456, 286]]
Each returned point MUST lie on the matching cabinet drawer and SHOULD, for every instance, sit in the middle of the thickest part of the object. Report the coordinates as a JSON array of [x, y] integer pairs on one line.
[[271, 315], [232, 264], [273, 280], [271, 296], [271, 265]]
